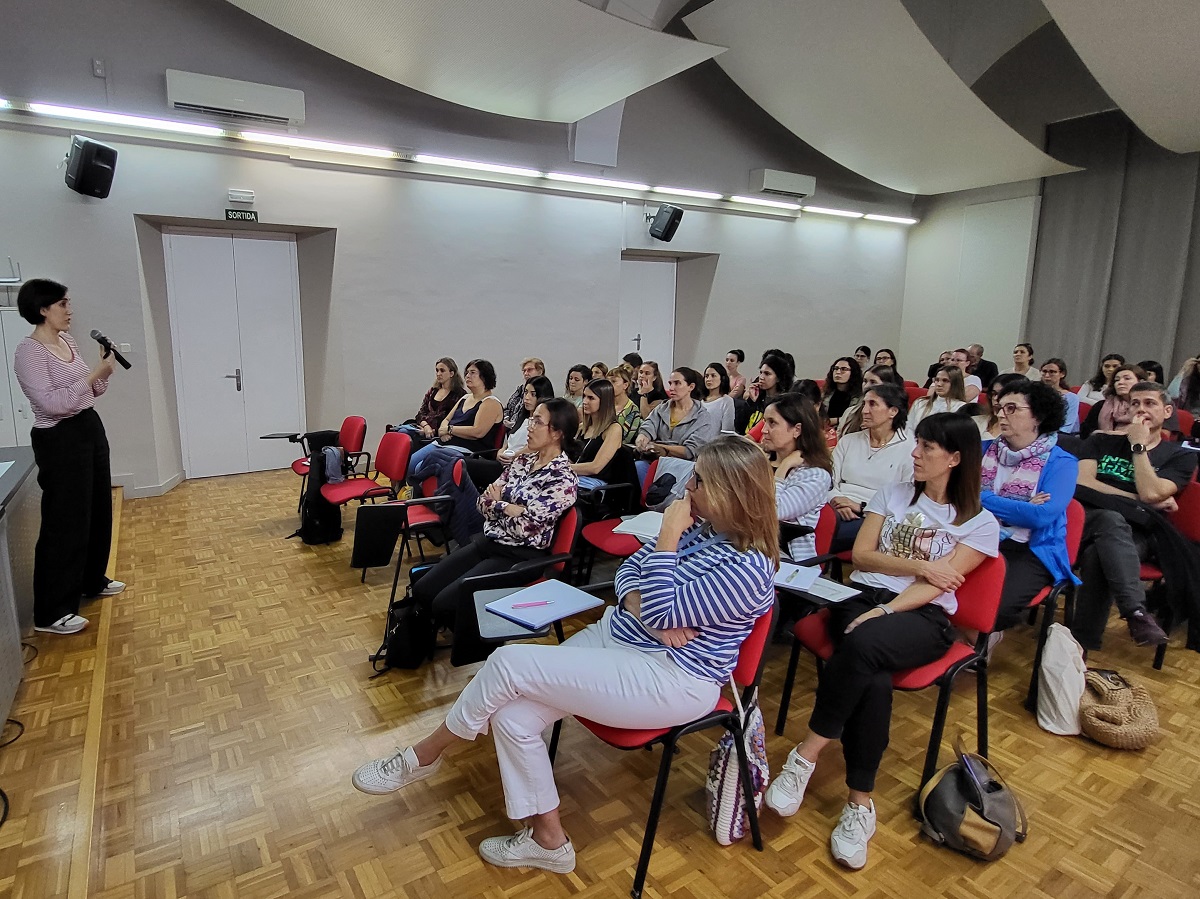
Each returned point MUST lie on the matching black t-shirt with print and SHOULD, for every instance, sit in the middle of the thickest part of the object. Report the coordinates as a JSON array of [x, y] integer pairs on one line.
[[1114, 461]]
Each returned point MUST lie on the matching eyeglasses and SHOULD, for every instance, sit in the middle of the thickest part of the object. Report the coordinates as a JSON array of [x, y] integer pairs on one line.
[[1011, 408], [536, 421], [696, 481], [842, 368]]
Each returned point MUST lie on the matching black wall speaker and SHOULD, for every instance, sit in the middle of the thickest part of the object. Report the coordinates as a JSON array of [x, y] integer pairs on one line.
[[666, 222], [90, 167]]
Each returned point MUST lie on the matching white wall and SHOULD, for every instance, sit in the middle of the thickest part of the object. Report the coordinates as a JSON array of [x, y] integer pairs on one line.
[[970, 261], [396, 271]]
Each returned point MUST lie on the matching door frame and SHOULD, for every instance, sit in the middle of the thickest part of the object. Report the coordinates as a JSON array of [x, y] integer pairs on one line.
[[176, 341]]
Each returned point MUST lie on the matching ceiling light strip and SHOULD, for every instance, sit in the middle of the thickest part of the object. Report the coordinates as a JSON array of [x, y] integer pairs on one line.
[[116, 118], [894, 219], [843, 213], [448, 162], [304, 143], [759, 201], [687, 192], [596, 182]]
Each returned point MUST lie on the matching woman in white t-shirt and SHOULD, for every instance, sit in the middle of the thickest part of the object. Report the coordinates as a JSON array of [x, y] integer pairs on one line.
[[946, 395], [916, 546]]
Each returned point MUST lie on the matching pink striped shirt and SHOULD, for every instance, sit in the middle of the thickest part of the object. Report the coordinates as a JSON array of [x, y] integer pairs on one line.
[[56, 389]]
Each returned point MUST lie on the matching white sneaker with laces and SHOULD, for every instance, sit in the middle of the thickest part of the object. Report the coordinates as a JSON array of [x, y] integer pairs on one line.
[[390, 774], [786, 791], [68, 624], [112, 588], [849, 840], [523, 851]]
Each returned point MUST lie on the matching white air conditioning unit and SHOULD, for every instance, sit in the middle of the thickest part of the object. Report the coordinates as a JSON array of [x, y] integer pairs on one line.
[[243, 101], [785, 184]]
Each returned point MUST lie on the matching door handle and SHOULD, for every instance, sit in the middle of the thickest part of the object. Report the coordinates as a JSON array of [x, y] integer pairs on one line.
[[237, 377]]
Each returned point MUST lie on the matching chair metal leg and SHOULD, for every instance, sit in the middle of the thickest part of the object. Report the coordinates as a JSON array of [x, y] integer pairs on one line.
[[554, 740], [660, 792], [558, 631], [786, 699], [739, 743], [303, 484], [935, 734], [1050, 607], [1160, 656], [981, 702]]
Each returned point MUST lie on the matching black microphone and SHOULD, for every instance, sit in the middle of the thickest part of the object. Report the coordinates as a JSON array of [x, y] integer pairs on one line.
[[109, 348]]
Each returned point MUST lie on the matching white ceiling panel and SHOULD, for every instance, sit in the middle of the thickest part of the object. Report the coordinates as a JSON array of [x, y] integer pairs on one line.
[[1146, 56], [860, 82], [551, 60]]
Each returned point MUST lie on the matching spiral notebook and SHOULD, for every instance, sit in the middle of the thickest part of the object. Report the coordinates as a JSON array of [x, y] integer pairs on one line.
[[535, 607]]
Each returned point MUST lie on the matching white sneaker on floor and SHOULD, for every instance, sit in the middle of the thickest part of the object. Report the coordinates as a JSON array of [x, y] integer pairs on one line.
[[112, 588], [994, 639], [849, 839], [786, 791], [68, 624], [390, 774], [523, 851]]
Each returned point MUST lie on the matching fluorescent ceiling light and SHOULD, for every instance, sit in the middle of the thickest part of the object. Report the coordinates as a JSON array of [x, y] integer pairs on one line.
[[844, 213], [4, 104], [475, 166], [687, 192], [896, 219], [757, 201], [290, 140], [115, 118], [598, 182]]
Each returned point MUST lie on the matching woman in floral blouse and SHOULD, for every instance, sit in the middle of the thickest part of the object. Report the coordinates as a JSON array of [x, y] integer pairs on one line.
[[520, 511]]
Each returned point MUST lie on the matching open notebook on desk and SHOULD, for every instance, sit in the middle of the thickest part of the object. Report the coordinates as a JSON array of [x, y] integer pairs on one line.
[[537, 606], [645, 526], [802, 579]]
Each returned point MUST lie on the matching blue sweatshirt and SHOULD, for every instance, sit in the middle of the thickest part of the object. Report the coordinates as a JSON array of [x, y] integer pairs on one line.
[[1047, 522]]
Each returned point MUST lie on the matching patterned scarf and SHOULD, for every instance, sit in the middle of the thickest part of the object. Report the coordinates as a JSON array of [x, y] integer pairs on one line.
[[1028, 464]]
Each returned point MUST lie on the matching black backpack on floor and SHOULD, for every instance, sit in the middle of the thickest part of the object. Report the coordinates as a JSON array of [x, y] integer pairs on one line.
[[320, 520]]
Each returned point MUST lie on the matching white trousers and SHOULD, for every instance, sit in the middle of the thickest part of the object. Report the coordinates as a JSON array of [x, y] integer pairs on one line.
[[524, 688]]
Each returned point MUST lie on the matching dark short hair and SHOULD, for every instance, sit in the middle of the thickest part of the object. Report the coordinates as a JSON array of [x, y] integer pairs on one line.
[[885, 373], [1045, 403], [809, 389], [543, 387], [35, 295], [783, 369], [740, 354], [956, 434], [894, 397], [564, 418], [487, 372], [1152, 387], [1152, 366], [633, 359], [723, 374]]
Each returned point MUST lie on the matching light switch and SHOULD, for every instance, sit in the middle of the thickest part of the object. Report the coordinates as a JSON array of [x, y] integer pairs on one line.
[[124, 348]]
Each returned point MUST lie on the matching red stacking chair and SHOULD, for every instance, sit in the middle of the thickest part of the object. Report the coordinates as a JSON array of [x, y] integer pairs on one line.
[[391, 460], [599, 537], [1084, 410], [1187, 519], [746, 675], [1186, 422], [978, 604], [914, 391], [351, 437], [1048, 598]]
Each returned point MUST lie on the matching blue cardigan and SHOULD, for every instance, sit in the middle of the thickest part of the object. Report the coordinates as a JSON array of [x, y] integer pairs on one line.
[[1047, 522]]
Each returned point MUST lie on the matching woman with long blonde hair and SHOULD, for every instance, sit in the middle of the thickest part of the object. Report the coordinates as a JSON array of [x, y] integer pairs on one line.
[[659, 658]]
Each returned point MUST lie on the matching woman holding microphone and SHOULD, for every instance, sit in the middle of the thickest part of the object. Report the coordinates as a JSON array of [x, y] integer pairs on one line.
[[71, 451]]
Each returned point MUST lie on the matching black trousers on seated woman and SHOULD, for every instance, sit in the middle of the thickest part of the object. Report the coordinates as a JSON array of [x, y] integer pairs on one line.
[[854, 693], [441, 592], [1024, 577]]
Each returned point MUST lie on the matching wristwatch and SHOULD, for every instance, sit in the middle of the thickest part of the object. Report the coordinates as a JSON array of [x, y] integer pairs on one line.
[[1137, 448]]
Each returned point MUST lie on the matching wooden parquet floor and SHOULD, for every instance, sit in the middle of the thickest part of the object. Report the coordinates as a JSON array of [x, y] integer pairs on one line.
[[238, 700]]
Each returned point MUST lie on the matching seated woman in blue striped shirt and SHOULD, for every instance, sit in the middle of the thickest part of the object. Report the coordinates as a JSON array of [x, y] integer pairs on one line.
[[657, 659]]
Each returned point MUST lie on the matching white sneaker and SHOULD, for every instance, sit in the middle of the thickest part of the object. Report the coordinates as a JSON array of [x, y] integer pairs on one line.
[[849, 840], [390, 774], [112, 588], [523, 851], [786, 791], [68, 624], [994, 639]]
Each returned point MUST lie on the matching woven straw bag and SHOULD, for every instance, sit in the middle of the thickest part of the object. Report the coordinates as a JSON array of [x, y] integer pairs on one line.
[[1117, 713]]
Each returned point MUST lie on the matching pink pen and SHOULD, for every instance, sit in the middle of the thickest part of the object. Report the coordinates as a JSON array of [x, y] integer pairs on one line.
[[530, 605]]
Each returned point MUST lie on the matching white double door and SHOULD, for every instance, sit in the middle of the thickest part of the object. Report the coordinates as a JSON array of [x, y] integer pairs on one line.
[[646, 315], [234, 302]]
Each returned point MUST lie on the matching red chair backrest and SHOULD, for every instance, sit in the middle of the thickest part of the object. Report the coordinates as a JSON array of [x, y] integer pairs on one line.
[[353, 434], [823, 533], [1084, 410], [563, 541], [750, 654], [1187, 517], [1186, 422], [501, 433], [979, 597], [821, 385], [650, 473], [429, 485], [915, 392], [908, 384], [755, 433], [1075, 516], [391, 459]]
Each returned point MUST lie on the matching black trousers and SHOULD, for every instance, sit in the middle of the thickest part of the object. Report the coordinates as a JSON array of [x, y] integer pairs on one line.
[[854, 693], [1025, 576], [76, 535]]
